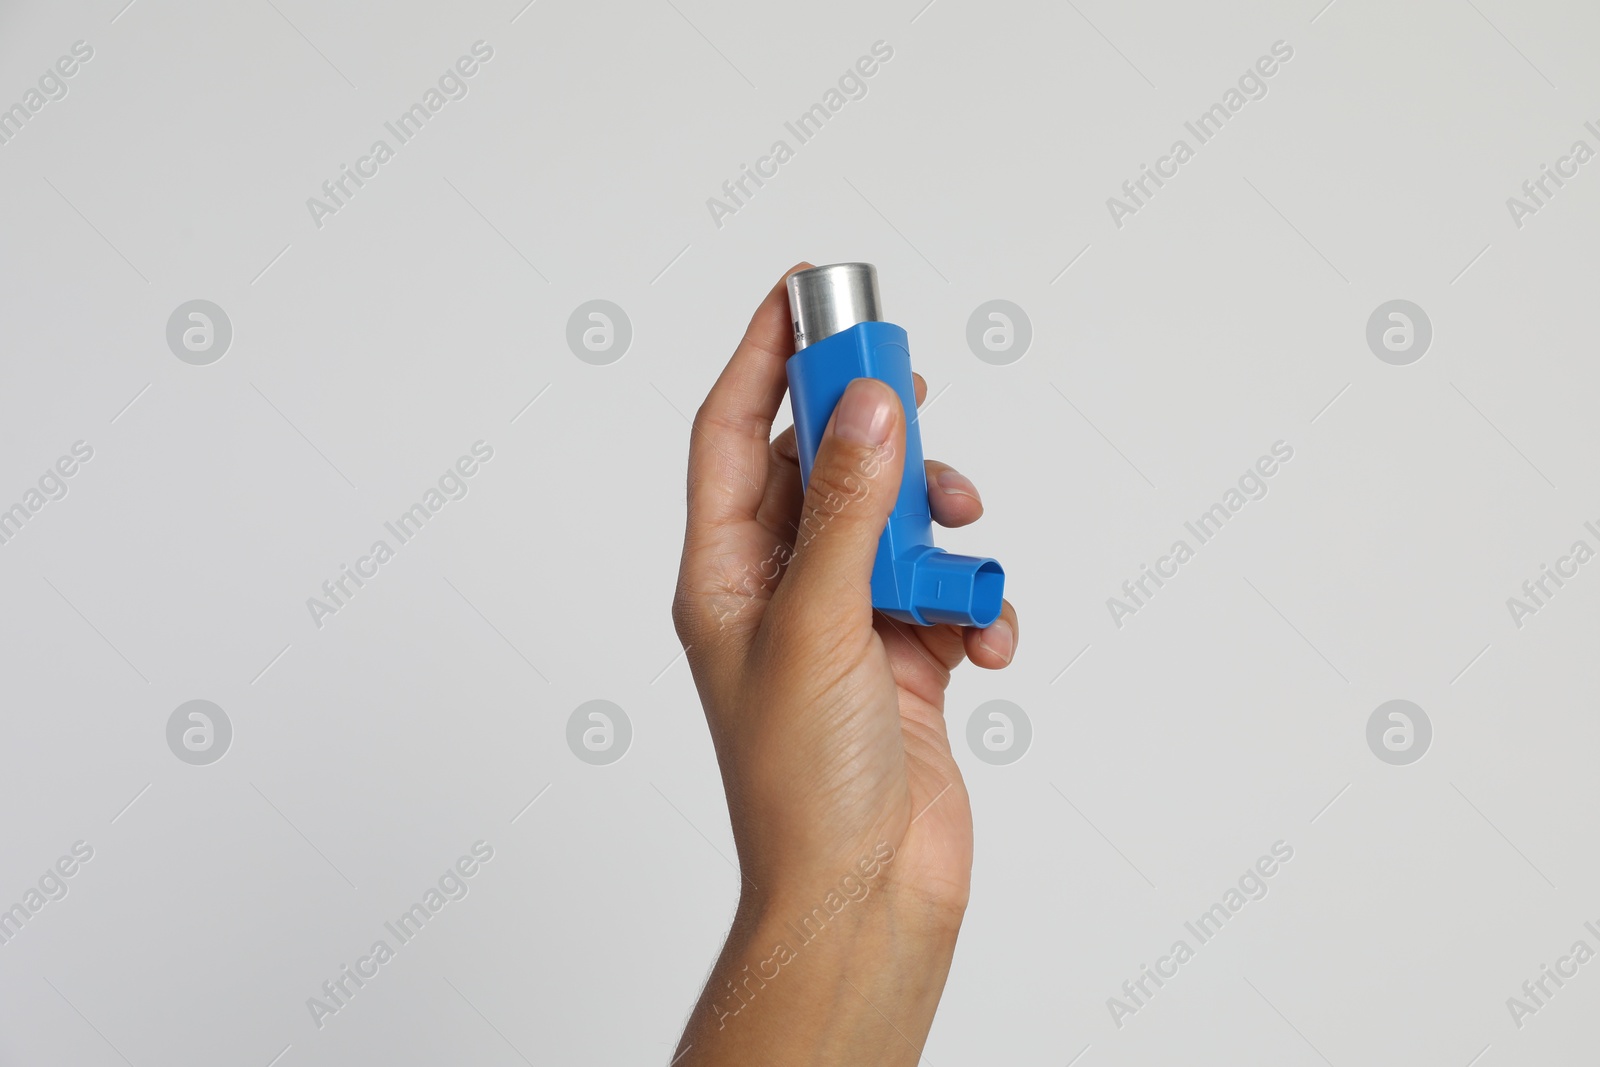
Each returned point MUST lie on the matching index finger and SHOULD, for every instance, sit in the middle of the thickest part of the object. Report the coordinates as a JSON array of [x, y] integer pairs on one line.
[[731, 431]]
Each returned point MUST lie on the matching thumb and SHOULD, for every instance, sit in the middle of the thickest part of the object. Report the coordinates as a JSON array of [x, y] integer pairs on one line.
[[854, 482]]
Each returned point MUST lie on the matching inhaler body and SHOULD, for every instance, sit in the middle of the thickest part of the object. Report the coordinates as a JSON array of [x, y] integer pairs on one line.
[[838, 338]]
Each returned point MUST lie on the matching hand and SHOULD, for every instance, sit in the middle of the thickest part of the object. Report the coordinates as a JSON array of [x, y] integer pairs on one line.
[[828, 719]]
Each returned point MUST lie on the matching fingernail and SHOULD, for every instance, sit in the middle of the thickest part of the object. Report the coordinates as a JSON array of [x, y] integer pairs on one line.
[[957, 484], [999, 639], [864, 415]]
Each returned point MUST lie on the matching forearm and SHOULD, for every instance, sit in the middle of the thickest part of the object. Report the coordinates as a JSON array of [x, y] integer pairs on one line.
[[799, 983], [829, 726]]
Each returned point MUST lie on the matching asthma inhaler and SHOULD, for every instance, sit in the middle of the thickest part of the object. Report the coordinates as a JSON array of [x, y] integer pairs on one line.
[[839, 335]]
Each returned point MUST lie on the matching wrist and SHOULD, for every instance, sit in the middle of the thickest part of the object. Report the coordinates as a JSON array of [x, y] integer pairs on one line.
[[820, 936], [799, 983], [878, 891], [819, 959], [794, 921]]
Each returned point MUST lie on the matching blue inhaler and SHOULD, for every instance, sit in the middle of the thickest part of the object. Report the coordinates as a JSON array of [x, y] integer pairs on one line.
[[839, 335]]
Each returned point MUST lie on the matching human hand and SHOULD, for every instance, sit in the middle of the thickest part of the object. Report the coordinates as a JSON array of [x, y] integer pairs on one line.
[[828, 719]]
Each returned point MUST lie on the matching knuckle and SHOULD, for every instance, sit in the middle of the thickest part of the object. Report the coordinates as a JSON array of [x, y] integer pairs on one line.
[[701, 423], [716, 420], [684, 621], [697, 615], [784, 447], [850, 470], [722, 590]]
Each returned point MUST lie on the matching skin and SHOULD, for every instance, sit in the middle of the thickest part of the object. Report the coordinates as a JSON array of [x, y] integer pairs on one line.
[[828, 723]]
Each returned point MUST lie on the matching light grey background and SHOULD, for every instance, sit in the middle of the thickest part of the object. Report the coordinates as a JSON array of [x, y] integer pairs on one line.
[[1168, 354]]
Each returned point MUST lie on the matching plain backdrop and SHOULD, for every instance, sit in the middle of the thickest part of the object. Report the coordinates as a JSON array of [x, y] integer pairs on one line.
[[374, 346]]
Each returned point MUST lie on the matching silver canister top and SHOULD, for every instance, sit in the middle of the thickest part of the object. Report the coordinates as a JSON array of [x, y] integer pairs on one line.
[[827, 300]]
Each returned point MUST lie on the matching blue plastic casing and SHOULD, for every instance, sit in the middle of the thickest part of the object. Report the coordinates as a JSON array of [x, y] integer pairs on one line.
[[912, 581]]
